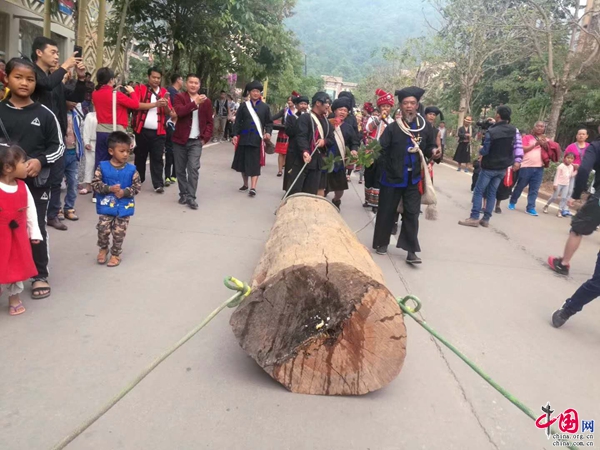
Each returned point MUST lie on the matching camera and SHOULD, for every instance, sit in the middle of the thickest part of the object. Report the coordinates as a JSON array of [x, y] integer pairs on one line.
[[486, 123]]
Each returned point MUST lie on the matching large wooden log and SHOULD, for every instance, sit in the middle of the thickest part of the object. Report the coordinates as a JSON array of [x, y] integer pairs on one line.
[[319, 319]]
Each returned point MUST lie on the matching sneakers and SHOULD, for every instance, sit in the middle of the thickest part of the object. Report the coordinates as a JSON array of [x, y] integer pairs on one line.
[[559, 317], [70, 215], [557, 265], [93, 199], [412, 258], [381, 250], [458, 170], [545, 210], [192, 204], [159, 190], [560, 215], [243, 189], [173, 180], [167, 182], [252, 192], [466, 170], [512, 206], [484, 223], [182, 201], [532, 212], [469, 222]]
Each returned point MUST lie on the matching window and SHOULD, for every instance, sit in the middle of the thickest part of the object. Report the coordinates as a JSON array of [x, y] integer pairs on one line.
[[4, 18], [29, 31]]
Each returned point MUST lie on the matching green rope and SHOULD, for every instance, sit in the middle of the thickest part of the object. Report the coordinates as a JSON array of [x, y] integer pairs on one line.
[[243, 291], [411, 312]]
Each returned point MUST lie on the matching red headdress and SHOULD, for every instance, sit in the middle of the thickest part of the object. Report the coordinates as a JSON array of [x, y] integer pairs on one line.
[[383, 98], [368, 107], [295, 94]]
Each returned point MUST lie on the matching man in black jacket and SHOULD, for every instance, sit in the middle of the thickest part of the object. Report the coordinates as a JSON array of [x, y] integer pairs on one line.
[[400, 166], [315, 134], [249, 137], [500, 151], [51, 92]]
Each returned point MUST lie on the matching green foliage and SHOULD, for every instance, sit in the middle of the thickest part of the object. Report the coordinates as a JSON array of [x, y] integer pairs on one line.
[[213, 37], [330, 161], [346, 38]]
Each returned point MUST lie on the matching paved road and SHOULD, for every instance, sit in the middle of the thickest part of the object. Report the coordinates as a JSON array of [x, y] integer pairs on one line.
[[486, 290]]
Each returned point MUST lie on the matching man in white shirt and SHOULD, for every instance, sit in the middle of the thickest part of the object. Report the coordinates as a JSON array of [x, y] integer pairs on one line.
[[150, 128]]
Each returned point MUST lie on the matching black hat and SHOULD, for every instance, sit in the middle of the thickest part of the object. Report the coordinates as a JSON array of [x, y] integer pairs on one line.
[[349, 95], [412, 91], [342, 102], [322, 97], [435, 110], [300, 99], [253, 85]]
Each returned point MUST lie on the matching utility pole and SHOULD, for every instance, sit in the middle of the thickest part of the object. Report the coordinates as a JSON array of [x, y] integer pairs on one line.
[[305, 64], [100, 34], [47, 18]]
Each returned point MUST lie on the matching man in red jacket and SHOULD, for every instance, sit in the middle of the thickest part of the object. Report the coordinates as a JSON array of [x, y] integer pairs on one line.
[[150, 128], [193, 129]]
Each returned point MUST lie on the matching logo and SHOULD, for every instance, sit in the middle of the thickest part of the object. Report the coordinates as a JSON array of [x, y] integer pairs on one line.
[[44, 196], [36, 122], [574, 432]]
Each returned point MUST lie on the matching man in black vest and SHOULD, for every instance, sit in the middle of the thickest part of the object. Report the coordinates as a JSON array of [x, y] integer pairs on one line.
[[500, 151]]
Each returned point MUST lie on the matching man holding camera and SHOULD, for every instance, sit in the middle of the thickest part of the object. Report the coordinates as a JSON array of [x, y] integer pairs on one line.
[[150, 128], [501, 149]]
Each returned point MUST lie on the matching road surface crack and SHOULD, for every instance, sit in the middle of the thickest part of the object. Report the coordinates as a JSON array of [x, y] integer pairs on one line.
[[463, 392]]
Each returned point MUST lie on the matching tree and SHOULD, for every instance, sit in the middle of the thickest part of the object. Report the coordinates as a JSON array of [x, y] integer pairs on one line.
[[474, 33], [565, 36]]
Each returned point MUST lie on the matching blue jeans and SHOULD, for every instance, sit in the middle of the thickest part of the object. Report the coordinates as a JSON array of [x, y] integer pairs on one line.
[[487, 183], [71, 174], [587, 292], [532, 177]]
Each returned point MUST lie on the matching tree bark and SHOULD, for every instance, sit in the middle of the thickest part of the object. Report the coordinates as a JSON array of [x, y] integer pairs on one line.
[[558, 99], [319, 319], [119, 44]]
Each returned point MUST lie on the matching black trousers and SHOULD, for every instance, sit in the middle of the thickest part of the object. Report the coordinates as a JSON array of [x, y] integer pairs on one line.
[[41, 197], [149, 143], [57, 173], [308, 182], [389, 199], [169, 157]]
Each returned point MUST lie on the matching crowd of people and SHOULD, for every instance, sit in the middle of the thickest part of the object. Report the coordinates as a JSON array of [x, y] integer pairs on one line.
[[57, 126]]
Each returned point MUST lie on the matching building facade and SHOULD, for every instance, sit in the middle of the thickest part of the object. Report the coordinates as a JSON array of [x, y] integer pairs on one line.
[[335, 85]]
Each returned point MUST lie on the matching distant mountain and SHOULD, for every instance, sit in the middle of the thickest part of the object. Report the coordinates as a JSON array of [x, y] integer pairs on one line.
[[342, 37]]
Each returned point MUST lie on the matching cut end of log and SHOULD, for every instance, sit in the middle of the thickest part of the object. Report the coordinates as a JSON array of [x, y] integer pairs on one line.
[[325, 329]]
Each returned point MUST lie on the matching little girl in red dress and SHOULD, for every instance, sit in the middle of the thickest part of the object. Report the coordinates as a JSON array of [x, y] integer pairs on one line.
[[18, 225]]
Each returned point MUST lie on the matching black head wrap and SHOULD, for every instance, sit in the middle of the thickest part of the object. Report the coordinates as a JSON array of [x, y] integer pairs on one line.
[[435, 110], [342, 102], [253, 85], [322, 97], [412, 91]]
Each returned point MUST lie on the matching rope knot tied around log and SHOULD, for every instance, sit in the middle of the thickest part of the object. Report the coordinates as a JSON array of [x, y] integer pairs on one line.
[[236, 285]]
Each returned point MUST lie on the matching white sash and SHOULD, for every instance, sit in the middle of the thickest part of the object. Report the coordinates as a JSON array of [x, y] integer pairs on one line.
[[318, 124], [255, 118], [340, 141]]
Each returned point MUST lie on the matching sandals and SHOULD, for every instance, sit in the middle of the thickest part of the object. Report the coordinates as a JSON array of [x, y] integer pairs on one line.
[[279, 174], [36, 292], [16, 310], [102, 256], [114, 261]]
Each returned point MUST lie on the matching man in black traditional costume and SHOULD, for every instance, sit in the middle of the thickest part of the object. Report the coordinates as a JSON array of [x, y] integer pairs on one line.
[[401, 174], [253, 126], [315, 135], [291, 129]]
